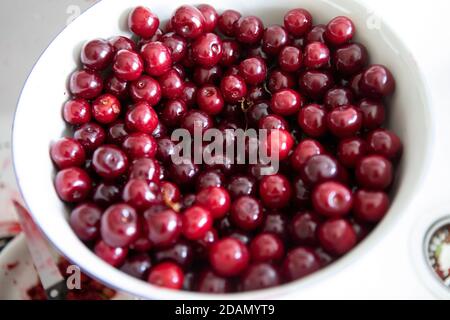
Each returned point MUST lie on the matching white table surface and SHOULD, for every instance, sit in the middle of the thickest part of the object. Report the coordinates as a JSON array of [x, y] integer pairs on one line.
[[28, 26]]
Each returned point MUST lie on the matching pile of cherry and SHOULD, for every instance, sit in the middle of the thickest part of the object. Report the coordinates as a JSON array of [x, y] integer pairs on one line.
[[226, 227]]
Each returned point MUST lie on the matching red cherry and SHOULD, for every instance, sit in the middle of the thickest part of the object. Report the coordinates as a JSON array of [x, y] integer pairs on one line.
[[168, 275]]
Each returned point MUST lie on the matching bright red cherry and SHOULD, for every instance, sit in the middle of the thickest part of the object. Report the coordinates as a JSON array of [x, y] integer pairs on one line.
[[233, 88], [207, 50], [298, 22], [143, 22], [128, 65], [344, 121], [77, 112], [374, 172], [157, 58], [141, 118], [317, 55], [339, 31], [385, 143], [312, 120], [119, 225], [210, 100], [337, 236], [106, 108], [172, 84], [248, 30], [228, 257], [111, 255], [140, 145], [167, 275], [275, 191], [163, 228], [279, 143], [85, 84], [97, 54], [188, 22], [85, 221], [67, 152], [216, 200], [290, 59], [370, 206], [73, 184], [226, 21], [332, 199], [377, 82], [146, 89], [247, 213], [286, 102], [274, 39], [300, 262], [140, 194], [266, 247], [196, 222], [109, 162]]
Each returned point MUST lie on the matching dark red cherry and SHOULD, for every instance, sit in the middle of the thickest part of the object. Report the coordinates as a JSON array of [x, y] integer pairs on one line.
[[231, 53], [196, 119], [340, 30], [226, 21], [279, 80], [233, 88], [184, 173], [119, 225], [114, 256], [122, 43], [85, 84], [337, 97], [210, 100], [248, 30], [319, 168], [377, 82], [228, 257], [312, 120], [257, 111], [290, 59], [247, 213], [241, 186], [344, 121], [77, 112], [176, 44], [301, 193], [172, 84], [140, 194], [167, 275], [163, 228], [85, 221], [157, 58], [337, 236], [137, 265], [210, 178], [370, 206], [385, 143], [207, 50], [304, 150], [203, 75], [266, 247], [117, 87], [182, 253], [141, 118], [279, 144], [286, 102], [140, 145], [67, 152], [97, 54], [188, 22], [189, 94], [145, 89], [374, 172], [73, 184], [106, 109], [275, 191], [173, 112], [317, 55], [209, 282], [274, 39], [350, 59], [90, 136], [332, 199], [143, 22], [260, 276], [303, 228], [316, 34], [128, 65], [106, 194], [373, 112], [298, 22], [109, 162], [196, 220], [253, 70], [351, 150], [273, 122], [315, 84], [211, 16], [300, 262]]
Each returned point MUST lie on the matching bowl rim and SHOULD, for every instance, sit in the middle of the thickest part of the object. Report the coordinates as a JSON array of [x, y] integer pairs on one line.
[[381, 230]]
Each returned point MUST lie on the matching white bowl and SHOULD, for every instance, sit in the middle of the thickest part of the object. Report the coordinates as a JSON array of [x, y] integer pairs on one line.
[[38, 122]]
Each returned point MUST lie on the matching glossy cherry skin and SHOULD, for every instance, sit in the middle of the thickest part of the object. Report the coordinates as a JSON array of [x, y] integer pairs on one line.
[[354, 84], [209, 282], [300, 262], [141, 118], [351, 150], [286, 102], [316, 34], [157, 58], [85, 221], [275, 223], [257, 111], [241, 186], [253, 70], [385, 143], [207, 75], [266, 247], [315, 83], [163, 228], [143, 22], [211, 16], [229, 257], [77, 112], [312, 120], [172, 84], [117, 133], [377, 82], [260, 276], [373, 112], [231, 53], [248, 30], [319, 168], [298, 22], [106, 109], [350, 59], [67, 152], [303, 228], [167, 275], [273, 122], [106, 194], [122, 43], [344, 121], [119, 225], [117, 87], [140, 145], [196, 119], [216, 200], [97, 54], [207, 50], [279, 144], [275, 191], [137, 265], [196, 222], [337, 236], [127, 65], [337, 97], [209, 178], [184, 173], [90, 135], [166, 148], [188, 22], [85, 84], [317, 55], [233, 88], [226, 21], [290, 59], [332, 199], [114, 256], [189, 95], [146, 89], [176, 44], [340, 30], [374, 172], [247, 213], [140, 194], [370, 206], [210, 100], [173, 112], [279, 80], [182, 253], [304, 150], [274, 39], [73, 184], [109, 162]]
